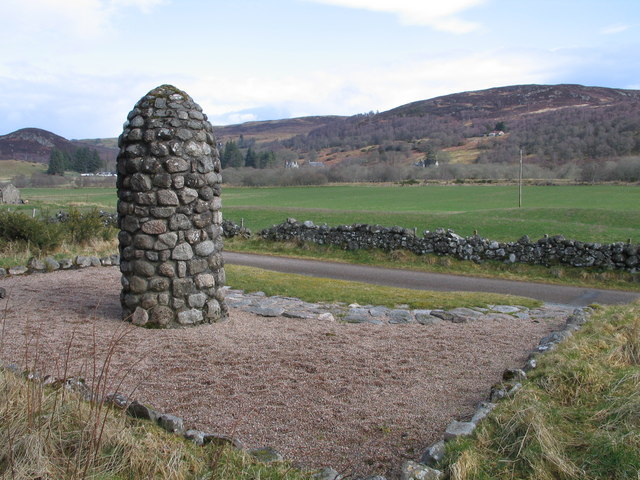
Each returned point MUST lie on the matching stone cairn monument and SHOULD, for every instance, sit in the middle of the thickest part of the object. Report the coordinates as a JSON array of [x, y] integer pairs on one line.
[[169, 215]]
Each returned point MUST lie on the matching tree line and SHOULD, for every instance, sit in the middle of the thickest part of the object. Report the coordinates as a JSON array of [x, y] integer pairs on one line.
[[232, 156], [82, 160], [625, 169]]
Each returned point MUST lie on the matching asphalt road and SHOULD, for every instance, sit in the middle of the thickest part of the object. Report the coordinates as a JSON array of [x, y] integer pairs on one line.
[[564, 295]]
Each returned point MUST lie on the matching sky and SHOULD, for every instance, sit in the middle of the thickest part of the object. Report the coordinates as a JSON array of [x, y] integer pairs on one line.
[[77, 67]]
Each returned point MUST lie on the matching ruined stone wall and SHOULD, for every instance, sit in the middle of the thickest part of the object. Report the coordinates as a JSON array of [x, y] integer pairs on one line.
[[555, 250], [169, 213], [10, 194]]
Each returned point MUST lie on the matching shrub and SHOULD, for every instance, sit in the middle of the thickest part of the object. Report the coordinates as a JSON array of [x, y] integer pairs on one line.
[[18, 227], [82, 228]]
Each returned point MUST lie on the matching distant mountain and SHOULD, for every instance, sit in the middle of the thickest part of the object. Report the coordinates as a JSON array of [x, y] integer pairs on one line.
[[35, 145], [32, 144], [270, 130], [508, 102], [552, 124]]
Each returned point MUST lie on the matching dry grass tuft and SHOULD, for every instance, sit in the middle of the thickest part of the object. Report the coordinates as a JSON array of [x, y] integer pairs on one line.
[[577, 417], [466, 467], [52, 434]]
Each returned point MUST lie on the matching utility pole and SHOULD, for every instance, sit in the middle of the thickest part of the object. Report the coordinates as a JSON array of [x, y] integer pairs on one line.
[[520, 182]]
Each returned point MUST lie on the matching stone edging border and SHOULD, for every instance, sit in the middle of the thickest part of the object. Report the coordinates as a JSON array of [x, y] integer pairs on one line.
[[411, 470], [511, 383], [50, 264]]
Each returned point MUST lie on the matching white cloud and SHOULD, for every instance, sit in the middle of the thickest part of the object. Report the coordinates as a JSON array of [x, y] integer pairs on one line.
[[242, 117], [64, 18], [145, 6], [438, 14], [613, 29]]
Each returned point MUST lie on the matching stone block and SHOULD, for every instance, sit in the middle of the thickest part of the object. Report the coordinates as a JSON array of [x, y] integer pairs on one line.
[[183, 287], [176, 164], [197, 300], [162, 316], [159, 284], [154, 227], [433, 454], [182, 251], [140, 317], [180, 221], [190, 317], [205, 280], [144, 268], [144, 412], [204, 249], [138, 284], [266, 455], [148, 301], [18, 270], [143, 241], [171, 423], [197, 265], [417, 471], [458, 429], [167, 197]]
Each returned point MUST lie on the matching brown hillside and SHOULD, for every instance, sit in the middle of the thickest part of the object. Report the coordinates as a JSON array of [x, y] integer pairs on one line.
[[35, 145], [504, 102], [271, 130], [32, 144]]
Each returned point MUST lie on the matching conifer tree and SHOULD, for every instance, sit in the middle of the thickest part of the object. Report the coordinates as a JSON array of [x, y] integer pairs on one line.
[[57, 162]]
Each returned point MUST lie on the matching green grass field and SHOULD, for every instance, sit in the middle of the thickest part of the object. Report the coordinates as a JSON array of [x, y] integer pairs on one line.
[[53, 199], [602, 213]]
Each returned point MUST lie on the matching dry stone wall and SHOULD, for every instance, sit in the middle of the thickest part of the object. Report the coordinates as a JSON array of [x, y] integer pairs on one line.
[[545, 251], [169, 213]]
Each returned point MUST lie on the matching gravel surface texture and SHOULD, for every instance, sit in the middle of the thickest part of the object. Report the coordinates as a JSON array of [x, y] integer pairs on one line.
[[361, 398]]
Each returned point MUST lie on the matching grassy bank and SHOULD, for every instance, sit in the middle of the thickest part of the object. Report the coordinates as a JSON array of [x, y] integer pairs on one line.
[[577, 416], [54, 199], [12, 168], [560, 275], [313, 289]]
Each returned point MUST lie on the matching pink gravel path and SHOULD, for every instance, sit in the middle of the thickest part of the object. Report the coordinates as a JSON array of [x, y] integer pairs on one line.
[[361, 398]]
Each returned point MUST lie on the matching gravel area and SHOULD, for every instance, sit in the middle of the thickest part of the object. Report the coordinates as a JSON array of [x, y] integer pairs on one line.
[[361, 398]]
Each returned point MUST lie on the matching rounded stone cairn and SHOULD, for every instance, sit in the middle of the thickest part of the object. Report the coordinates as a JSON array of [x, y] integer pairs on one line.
[[169, 215]]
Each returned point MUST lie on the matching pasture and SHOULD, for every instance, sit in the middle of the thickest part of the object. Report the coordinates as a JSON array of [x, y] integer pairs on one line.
[[53, 199], [597, 213], [12, 168]]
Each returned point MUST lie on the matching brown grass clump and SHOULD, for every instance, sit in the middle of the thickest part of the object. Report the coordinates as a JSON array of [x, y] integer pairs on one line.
[[576, 418]]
